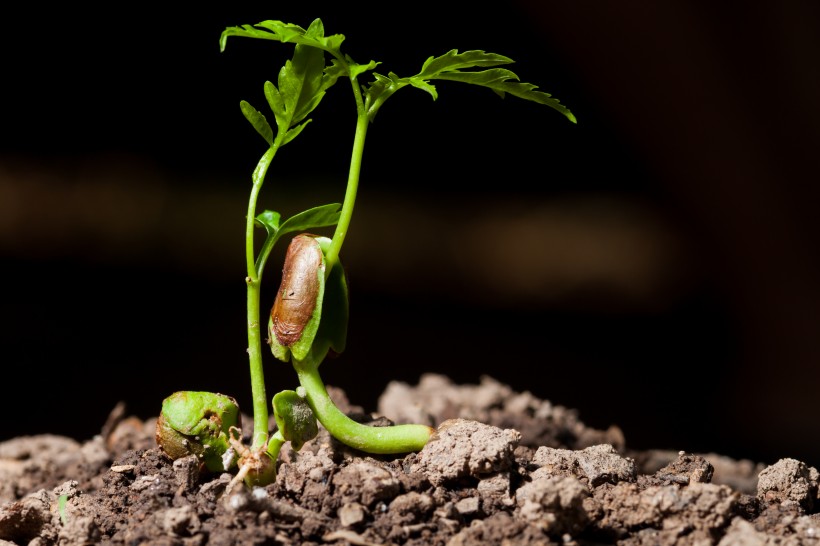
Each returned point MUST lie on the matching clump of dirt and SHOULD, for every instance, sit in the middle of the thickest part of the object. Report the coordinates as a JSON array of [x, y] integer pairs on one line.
[[503, 468]]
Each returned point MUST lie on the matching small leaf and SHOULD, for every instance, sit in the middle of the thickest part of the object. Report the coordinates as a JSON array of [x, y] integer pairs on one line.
[[321, 216], [270, 220], [294, 418], [258, 121], [317, 217], [293, 133], [316, 29], [357, 70], [276, 103], [306, 108], [300, 83], [424, 86], [380, 90], [62, 500], [286, 32], [455, 61]]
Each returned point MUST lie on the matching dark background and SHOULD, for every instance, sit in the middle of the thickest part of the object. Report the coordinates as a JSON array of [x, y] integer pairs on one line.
[[654, 266]]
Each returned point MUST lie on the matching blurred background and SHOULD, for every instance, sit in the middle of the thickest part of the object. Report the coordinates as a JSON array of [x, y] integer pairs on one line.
[[655, 266]]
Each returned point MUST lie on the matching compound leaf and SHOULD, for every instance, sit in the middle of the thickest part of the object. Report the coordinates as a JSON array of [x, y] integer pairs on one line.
[[258, 120]]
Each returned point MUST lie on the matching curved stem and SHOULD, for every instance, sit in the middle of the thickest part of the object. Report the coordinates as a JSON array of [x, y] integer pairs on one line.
[[381, 440], [260, 402], [275, 445]]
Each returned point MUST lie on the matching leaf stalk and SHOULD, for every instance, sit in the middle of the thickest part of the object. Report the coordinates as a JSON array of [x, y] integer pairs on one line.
[[354, 172]]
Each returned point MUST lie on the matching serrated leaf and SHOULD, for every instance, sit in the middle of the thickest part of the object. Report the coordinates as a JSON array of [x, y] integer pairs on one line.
[[276, 103], [293, 133], [333, 72], [258, 120], [481, 77], [495, 80], [380, 90], [454, 61], [316, 217], [286, 32], [316, 29], [424, 86], [306, 108], [300, 83], [357, 70], [455, 66]]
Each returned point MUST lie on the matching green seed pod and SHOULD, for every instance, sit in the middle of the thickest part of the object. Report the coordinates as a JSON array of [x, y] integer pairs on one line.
[[294, 418], [197, 423]]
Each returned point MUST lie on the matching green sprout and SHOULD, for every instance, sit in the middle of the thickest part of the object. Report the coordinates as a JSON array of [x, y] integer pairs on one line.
[[308, 321], [62, 501]]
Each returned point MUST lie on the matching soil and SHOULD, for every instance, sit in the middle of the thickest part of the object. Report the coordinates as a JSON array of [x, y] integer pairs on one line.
[[504, 468]]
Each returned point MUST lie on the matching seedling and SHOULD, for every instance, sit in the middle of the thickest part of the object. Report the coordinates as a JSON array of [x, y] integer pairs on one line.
[[308, 321]]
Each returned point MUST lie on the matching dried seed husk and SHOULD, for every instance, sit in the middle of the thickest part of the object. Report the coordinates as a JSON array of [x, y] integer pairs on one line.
[[294, 318], [309, 317]]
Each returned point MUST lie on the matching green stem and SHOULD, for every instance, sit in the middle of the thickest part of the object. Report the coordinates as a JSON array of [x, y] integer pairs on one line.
[[260, 399], [381, 440], [354, 171], [275, 445]]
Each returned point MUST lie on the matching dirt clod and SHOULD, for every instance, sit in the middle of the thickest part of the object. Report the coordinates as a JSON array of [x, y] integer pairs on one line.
[[595, 464], [554, 504], [789, 480], [462, 448], [25, 519], [365, 482]]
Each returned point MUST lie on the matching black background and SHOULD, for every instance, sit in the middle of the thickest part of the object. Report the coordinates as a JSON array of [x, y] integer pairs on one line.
[[697, 121]]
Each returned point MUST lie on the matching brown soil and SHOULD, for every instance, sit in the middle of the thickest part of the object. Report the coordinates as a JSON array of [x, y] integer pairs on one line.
[[504, 468]]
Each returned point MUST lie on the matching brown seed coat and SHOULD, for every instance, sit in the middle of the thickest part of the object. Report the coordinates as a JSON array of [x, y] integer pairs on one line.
[[297, 294]]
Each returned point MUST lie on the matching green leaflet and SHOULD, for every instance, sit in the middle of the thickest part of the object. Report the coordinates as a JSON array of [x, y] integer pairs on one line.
[[317, 217], [258, 120], [314, 36], [453, 60], [455, 66], [300, 87]]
